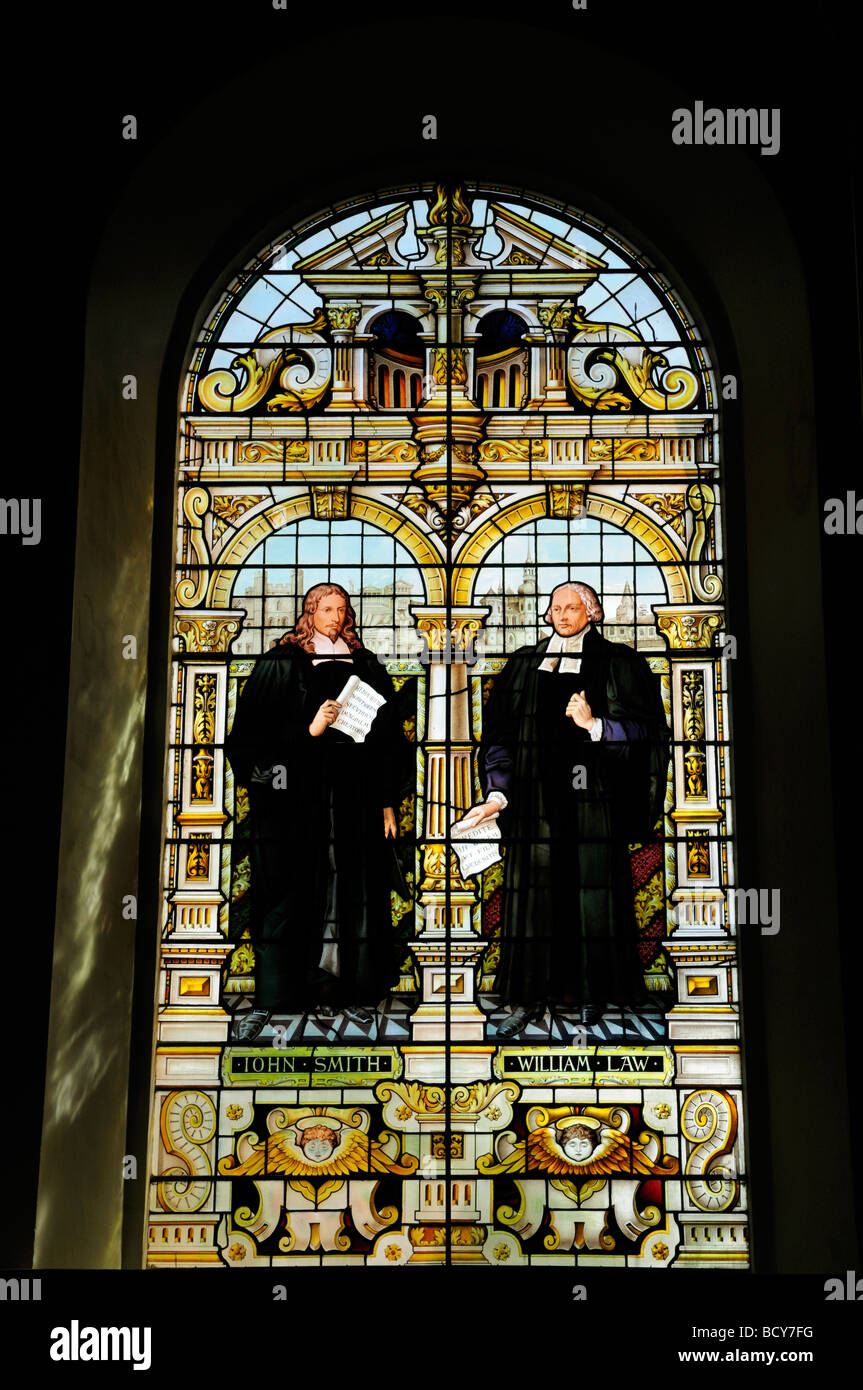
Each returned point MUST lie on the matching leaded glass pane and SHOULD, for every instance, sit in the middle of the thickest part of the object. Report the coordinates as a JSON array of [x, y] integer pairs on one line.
[[421, 417]]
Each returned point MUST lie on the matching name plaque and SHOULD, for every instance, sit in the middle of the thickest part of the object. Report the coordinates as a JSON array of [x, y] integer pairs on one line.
[[310, 1066], [588, 1066]]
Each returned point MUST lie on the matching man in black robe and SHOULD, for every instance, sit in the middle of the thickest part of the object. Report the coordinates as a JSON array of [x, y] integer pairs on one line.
[[573, 759], [322, 809]]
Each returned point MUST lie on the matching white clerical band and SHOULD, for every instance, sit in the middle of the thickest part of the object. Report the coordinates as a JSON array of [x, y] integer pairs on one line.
[[326, 648], [555, 660]]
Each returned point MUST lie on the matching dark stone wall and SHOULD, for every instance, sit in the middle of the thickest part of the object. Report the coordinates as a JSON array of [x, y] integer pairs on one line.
[[257, 140]]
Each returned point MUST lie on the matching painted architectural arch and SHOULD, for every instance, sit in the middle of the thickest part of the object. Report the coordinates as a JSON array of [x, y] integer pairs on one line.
[[454, 396]]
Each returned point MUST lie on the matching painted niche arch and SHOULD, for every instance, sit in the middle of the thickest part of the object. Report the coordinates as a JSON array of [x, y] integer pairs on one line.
[[638, 523], [270, 520]]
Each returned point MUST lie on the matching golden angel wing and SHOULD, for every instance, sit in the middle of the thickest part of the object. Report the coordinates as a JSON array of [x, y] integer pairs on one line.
[[615, 1153], [544, 1152], [281, 1156]]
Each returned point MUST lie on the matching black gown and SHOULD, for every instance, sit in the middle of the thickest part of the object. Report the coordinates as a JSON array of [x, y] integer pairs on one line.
[[318, 853], [567, 922]]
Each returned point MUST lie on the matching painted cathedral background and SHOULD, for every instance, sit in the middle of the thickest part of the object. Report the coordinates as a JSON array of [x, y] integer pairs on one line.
[[449, 400]]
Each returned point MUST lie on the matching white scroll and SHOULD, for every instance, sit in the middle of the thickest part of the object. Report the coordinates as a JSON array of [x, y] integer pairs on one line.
[[475, 847], [359, 705]]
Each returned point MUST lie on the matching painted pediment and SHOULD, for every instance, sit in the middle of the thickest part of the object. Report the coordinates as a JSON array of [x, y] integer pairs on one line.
[[373, 245], [527, 244]]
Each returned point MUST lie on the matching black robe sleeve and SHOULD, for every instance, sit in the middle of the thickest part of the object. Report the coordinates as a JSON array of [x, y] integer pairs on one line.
[[271, 724], [500, 725], [389, 751], [635, 741]]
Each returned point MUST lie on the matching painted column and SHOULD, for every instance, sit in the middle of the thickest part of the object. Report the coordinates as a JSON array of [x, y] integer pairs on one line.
[[195, 948], [700, 944], [555, 317], [448, 949], [343, 321]]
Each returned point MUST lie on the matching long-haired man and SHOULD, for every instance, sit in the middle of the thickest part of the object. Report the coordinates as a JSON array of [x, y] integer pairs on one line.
[[322, 809]]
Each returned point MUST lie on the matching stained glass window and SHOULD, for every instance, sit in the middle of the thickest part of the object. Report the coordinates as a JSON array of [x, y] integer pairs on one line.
[[442, 407]]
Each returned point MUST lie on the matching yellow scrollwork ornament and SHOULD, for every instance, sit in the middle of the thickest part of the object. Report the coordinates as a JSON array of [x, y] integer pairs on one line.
[[602, 355]]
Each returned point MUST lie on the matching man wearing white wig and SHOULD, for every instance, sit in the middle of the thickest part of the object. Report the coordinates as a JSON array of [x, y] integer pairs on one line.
[[573, 760]]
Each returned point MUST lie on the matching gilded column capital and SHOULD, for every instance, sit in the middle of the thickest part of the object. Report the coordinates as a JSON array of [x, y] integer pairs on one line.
[[343, 318], [461, 1234], [556, 315], [690, 627], [449, 472], [449, 629], [207, 629]]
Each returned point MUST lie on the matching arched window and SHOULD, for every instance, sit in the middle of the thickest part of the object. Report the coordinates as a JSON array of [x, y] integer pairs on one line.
[[499, 357], [560, 425], [399, 346], [377, 571], [525, 566]]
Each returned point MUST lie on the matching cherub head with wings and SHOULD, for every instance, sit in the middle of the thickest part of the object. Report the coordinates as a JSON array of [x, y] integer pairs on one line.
[[578, 1138], [303, 1145], [318, 1140], [592, 1145]]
